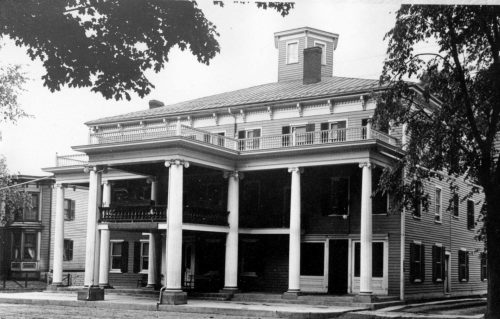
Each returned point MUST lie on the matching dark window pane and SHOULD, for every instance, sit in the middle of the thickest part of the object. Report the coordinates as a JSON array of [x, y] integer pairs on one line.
[[378, 260], [312, 257], [357, 254]]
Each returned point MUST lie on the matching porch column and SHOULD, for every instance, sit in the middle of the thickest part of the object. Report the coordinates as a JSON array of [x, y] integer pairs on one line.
[[91, 245], [104, 242], [365, 285], [58, 237], [152, 261], [152, 242], [231, 266], [173, 293], [294, 247]]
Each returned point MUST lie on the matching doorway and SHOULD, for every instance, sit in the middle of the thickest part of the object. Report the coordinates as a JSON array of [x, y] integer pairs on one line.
[[338, 266]]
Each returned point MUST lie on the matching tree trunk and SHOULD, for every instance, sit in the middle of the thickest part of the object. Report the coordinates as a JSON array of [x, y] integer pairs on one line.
[[493, 250]]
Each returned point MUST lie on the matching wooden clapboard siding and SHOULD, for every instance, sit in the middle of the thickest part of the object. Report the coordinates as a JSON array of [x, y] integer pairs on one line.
[[326, 70], [452, 233], [73, 229], [292, 71]]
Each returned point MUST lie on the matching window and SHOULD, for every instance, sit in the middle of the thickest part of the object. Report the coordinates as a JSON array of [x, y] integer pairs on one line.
[[250, 139], [364, 125], [69, 209], [119, 256], [24, 246], [292, 52], [301, 134], [333, 131], [484, 267], [338, 199], [312, 259], [463, 265], [68, 250], [322, 45], [455, 205], [417, 262], [437, 206], [141, 256], [438, 263], [31, 214], [29, 249], [214, 138], [470, 214], [377, 259]]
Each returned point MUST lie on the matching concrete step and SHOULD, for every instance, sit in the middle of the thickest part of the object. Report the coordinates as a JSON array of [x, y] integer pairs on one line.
[[219, 296]]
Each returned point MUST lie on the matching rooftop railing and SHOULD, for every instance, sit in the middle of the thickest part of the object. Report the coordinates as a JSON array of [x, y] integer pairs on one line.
[[71, 160], [264, 142]]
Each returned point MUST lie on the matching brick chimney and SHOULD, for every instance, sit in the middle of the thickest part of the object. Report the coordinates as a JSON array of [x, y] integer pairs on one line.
[[155, 103], [312, 65]]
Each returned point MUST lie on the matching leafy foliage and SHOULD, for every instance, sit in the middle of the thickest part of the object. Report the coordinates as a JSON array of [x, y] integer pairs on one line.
[[11, 83], [15, 199]]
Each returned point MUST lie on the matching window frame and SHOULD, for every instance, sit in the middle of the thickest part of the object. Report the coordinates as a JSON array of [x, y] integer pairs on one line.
[[323, 52], [356, 266], [215, 140], [67, 249], [484, 267], [69, 212], [455, 211], [438, 207], [249, 143], [112, 255], [143, 255], [321, 261], [36, 217], [463, 265], [331, 197], [438, 264], [287, 57], [417, 276], [471, 214]]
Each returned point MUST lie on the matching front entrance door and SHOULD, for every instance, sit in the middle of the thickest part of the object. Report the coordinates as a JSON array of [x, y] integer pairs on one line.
[[447, 271], [338, 266]]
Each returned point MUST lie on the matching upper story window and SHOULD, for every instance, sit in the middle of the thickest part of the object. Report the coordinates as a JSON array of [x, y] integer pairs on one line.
[[437, 206], [31, 213], [214, 138], [338, 199], [297, 134], [322, 45], [69, 209], [292, 52], [251, 139], [470, 214], [333, 131], [455, 205]]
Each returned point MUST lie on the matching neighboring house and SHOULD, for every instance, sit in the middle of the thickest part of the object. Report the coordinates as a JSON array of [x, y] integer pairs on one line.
[[268, 188], [26, 248]]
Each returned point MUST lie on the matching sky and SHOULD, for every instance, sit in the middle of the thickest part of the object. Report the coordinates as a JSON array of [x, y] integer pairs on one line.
[[248, 57]]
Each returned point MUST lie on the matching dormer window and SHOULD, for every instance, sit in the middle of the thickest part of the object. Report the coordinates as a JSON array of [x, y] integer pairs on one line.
[[292, 52], [322, 45]]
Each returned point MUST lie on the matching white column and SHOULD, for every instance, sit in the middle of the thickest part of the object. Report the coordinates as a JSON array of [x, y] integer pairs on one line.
[[104, 259], [231, 266], [174, 224], [106, 193], [152, 261], [91, 245], [365, 285], [369, 129], [58, 237], [294, 248], [154, 190]]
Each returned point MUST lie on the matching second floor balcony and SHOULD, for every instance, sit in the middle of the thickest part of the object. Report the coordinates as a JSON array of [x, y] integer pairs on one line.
[[158, 213], [294, 139]]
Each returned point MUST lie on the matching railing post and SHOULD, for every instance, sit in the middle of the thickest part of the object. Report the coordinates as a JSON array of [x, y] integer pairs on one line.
[[178, 127]]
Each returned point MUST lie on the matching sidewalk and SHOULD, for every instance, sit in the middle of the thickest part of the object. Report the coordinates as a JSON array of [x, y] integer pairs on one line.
[[149, 303]]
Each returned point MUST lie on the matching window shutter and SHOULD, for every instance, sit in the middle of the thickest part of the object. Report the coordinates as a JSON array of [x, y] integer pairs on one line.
[[422, 262], [466, 265], [72, 215], [124, 261], [310, 127], [434, 263], [285, 140], [285, 129], [241, 134], [412, 262], [137, 257], [324, 126], [256, 133], [70, 250]]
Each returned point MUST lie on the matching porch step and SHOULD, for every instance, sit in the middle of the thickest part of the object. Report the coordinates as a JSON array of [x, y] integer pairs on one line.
[[219, 296]]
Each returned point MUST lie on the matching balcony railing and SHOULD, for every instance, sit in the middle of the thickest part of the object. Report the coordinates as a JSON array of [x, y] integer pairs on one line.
[[71, 160], [265, 142], [158, 213]]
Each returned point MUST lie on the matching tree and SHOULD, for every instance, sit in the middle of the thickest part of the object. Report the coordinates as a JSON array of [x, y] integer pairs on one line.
[[11, 83], [108, 45], [453, 123]]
